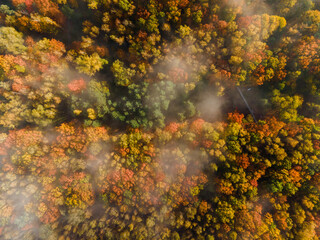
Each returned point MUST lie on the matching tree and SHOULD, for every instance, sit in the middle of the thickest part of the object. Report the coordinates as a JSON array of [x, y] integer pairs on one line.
[[11, 41], [123, 76], [90, 64], [287, 106]]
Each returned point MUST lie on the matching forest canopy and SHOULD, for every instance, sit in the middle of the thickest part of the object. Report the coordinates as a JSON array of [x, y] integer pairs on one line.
[[159, 119]]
